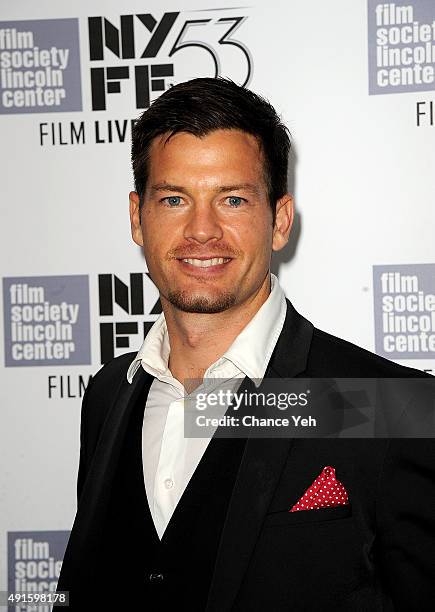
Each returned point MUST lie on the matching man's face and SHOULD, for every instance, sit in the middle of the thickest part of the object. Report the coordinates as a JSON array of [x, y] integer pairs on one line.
[[206, 223]]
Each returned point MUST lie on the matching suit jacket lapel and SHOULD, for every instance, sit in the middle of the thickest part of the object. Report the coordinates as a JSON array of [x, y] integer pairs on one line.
[[260, 469]]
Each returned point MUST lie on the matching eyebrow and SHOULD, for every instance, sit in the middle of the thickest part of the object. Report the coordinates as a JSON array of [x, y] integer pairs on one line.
[[250, 187]]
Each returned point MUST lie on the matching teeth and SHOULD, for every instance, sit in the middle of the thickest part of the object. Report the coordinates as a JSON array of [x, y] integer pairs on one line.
[[206, 263]]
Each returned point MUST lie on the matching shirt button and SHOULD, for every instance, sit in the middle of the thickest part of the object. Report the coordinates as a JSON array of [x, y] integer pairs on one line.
[[156, 577], [169, 483]]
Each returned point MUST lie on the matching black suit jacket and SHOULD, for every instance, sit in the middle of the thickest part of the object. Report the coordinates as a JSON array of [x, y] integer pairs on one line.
[[377, 553]]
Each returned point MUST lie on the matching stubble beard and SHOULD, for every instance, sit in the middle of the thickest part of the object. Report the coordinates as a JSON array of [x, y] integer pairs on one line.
[[201, 304]]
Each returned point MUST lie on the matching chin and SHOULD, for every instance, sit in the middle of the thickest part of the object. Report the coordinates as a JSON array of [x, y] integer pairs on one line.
[[201, 304]]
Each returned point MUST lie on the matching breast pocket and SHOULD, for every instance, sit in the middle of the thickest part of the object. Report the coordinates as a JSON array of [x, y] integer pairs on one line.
[[321, 515]]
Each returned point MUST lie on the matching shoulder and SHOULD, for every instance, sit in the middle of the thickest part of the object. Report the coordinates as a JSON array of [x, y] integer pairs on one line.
[[103, 389], [335, 357], [112, 373]]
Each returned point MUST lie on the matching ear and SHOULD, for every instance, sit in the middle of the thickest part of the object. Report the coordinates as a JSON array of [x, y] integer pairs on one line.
[[136, 229], [283, 222]]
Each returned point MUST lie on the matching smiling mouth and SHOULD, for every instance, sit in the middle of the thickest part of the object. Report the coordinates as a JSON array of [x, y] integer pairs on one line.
[[207, 263]]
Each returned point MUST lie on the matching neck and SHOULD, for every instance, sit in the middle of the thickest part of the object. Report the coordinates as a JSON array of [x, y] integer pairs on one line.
[[198, 340]]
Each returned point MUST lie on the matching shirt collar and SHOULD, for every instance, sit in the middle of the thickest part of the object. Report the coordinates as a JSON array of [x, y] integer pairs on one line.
[[253, 347], [250, 351], [154, 352]]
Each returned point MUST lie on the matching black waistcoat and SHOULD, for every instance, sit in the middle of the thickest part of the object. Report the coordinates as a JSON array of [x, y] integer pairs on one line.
[[133, 564]]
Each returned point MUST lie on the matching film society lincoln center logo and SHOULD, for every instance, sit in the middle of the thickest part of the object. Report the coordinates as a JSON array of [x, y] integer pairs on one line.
[[40, 66], [404, 297], [401, 46], [34, 562], [46, 320]]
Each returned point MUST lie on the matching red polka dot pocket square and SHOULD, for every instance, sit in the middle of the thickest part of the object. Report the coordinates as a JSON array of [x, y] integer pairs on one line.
[[325, 492]]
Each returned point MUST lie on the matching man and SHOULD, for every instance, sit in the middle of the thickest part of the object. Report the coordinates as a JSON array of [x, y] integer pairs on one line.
[[166, 521]]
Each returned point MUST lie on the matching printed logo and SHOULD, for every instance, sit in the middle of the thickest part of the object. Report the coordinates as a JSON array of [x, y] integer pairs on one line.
[[401, 46], [46, 320], [40, 66], [142, 55], [135, 58], [118, 299], [34, 561], [404, 299]]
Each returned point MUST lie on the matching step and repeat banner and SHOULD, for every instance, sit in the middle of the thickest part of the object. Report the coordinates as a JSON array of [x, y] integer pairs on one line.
[[355, 83]]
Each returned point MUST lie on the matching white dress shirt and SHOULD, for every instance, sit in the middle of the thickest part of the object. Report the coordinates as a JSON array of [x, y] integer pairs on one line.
[[170, 459]]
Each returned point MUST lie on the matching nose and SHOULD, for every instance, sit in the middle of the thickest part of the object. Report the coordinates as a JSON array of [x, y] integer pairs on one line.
[[203, 224]]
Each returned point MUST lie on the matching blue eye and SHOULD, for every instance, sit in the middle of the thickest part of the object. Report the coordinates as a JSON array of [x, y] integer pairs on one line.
[[173, 200], [235, 201]]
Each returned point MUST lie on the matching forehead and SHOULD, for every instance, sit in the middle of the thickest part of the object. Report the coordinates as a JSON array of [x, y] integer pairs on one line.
[[231, 153]]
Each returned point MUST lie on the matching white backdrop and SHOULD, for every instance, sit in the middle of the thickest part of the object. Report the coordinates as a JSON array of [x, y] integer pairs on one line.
[[363, 183]]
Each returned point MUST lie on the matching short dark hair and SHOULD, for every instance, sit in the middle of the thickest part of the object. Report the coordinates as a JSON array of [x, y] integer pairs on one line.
[[203, 105]]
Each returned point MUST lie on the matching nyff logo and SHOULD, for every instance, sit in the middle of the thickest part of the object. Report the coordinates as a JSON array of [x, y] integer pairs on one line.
[[185, 48], [116, 299]]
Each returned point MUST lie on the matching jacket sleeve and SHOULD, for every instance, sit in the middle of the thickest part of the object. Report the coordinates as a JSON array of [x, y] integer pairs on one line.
[[83, 461], [97, 401], [406, 523]]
